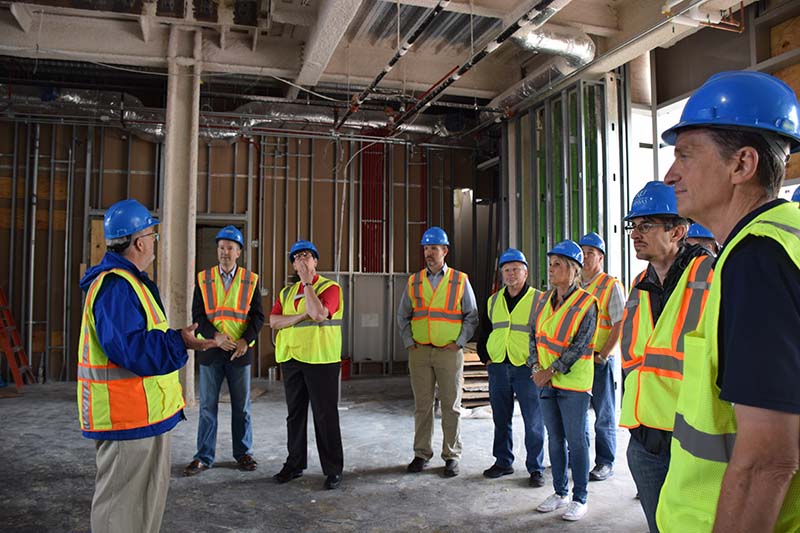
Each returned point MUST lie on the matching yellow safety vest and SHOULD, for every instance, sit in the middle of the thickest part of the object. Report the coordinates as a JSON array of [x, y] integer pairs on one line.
[[651, 387], [309, 341], [227, 310], [555, 331], [437, 315], [705, 425], [511, 331], [602, 287], [112, 398]]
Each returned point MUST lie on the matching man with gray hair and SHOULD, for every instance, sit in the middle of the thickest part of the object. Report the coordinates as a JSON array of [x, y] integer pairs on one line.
[[129, 394]]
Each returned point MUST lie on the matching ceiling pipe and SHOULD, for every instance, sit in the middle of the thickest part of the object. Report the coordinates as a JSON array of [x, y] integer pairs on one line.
[[573, 49], [401, 51], [534, 18]]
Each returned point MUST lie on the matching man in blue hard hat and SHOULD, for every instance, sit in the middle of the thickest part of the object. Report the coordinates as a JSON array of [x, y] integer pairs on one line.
[[665, 299], [308, 318], [699, 235], [735, 450], [437, 316], [611, 304], [504, 346], [129, 393], [227, 308]]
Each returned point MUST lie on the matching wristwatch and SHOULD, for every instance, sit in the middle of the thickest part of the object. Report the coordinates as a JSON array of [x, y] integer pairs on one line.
[[307, 284]]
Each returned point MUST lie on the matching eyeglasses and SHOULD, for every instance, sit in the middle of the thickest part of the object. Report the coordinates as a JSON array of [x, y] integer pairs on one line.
[[302, 255], [644, 227], [154, 235], [512, 270]]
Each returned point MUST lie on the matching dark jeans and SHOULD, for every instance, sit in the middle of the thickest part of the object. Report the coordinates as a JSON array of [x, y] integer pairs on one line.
[[649, 471], [318, 385], [505, 382], [605, 427], [564, 414]]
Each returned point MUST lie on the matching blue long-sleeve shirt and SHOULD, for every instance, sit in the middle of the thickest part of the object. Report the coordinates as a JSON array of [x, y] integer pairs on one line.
[[121, 325]]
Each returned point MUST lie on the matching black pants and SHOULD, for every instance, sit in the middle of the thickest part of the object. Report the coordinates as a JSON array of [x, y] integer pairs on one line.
[[318, 384]]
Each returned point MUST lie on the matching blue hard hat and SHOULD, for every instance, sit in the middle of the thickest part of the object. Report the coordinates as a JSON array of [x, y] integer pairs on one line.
[[435, 235], [301, 246], [594, 240], [569, 249], [512, 255], [656, 198], [796, 195], [697, 231], [231, 233], [126, 217], [744, 100]]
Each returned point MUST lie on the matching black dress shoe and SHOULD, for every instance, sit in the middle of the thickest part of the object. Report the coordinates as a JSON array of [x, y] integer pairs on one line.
[[332, 482], [287, 474], [450, 468], [495, 471], [536, 480], [417, 465]]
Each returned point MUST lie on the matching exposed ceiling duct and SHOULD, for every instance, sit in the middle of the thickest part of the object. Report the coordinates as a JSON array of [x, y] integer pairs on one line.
[[572, 48], [128, 112]]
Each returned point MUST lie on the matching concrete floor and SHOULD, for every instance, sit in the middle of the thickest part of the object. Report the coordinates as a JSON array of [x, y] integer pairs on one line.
[[47, 474]]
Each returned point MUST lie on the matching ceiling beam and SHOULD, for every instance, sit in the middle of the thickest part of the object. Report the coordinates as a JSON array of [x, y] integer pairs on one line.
[[332, 23], [23, 15]]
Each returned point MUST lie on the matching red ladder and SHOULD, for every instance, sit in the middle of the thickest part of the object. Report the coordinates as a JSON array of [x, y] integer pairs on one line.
[[11, 345]]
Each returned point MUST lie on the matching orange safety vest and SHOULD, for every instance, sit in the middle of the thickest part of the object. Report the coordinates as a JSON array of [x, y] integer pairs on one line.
[[228, 309], [112, 398], [437, 316], [601, 287]]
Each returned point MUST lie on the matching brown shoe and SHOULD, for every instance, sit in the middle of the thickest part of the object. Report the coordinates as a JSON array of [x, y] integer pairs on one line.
[[246, 462], [194, 468]]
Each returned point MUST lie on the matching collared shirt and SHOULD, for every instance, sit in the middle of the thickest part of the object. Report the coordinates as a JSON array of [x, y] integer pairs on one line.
[[580, 341], [227, 277], [469, 311]]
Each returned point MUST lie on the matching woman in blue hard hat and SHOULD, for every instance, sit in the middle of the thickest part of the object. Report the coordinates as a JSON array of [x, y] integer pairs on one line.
[[563, 367]]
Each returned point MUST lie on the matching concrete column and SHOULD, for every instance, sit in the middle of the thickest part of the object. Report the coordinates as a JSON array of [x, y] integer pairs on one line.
[[177, 263]]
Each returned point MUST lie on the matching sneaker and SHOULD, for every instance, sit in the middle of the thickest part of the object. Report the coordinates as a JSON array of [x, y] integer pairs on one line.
[[450, 468], [553, 502], [536, 480], [575, 511], [417, 465], [601, 473], [194, 468], [495, 471]]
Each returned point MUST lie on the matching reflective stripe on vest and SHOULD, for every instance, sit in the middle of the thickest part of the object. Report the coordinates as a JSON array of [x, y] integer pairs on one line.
[[436, 316], [601, 287], [308, 341], [511, 332], [637, 324], [705, 425], [555, 330], [661, 372], [228, 309], [111, 398]]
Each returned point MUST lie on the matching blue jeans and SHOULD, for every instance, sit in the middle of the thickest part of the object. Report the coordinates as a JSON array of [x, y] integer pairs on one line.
[[605, 427], [564, 414], [505, 382], [649, 471], [238, 378]]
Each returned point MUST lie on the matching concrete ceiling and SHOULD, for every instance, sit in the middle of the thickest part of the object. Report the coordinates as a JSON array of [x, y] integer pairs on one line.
[[327, 45]]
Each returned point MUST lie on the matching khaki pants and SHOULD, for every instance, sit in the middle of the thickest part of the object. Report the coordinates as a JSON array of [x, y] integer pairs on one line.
[[428, 366], [130, 490]]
